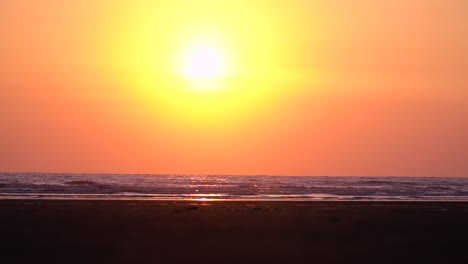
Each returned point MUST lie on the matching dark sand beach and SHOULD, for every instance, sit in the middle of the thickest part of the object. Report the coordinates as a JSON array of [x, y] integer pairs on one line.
[[40, 231]]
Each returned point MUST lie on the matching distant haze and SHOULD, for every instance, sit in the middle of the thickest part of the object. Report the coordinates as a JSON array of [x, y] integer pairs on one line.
[[317, 87]]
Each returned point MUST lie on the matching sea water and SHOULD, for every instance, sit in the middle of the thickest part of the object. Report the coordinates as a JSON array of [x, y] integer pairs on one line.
[[228, 187]]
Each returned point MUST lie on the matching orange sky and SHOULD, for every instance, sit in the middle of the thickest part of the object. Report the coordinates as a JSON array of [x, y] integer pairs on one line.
[[325, 87]]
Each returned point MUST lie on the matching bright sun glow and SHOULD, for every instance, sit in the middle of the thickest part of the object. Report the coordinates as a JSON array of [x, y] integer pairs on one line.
[[204, 65]]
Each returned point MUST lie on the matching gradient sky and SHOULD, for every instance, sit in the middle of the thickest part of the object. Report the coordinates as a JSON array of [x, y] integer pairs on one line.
[[324, 87]]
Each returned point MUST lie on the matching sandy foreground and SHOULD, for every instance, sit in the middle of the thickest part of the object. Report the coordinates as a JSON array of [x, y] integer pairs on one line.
[[40, 231]]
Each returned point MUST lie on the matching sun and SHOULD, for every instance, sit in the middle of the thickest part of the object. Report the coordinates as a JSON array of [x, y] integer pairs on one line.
[[204, 65]]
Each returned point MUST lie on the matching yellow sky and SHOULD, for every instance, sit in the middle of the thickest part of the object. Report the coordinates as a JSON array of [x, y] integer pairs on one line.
[[336, 87]]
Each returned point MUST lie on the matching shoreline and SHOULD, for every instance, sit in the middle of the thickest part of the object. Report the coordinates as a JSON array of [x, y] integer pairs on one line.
[[38, 197]]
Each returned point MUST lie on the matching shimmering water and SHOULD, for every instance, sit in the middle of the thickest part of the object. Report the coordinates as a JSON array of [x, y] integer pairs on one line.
[[113, 186]]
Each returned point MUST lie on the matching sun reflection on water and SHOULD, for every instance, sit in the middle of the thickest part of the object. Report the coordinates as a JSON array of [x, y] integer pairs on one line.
[[206, 197]]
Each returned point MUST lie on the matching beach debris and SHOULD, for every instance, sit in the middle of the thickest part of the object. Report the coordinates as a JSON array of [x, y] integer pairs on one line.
[[187, 209]]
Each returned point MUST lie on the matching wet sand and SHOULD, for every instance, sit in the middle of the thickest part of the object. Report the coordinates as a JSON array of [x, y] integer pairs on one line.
[[232, 232]]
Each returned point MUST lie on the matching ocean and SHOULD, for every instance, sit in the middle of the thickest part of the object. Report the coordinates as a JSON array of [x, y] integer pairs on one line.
[[229, 187]]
